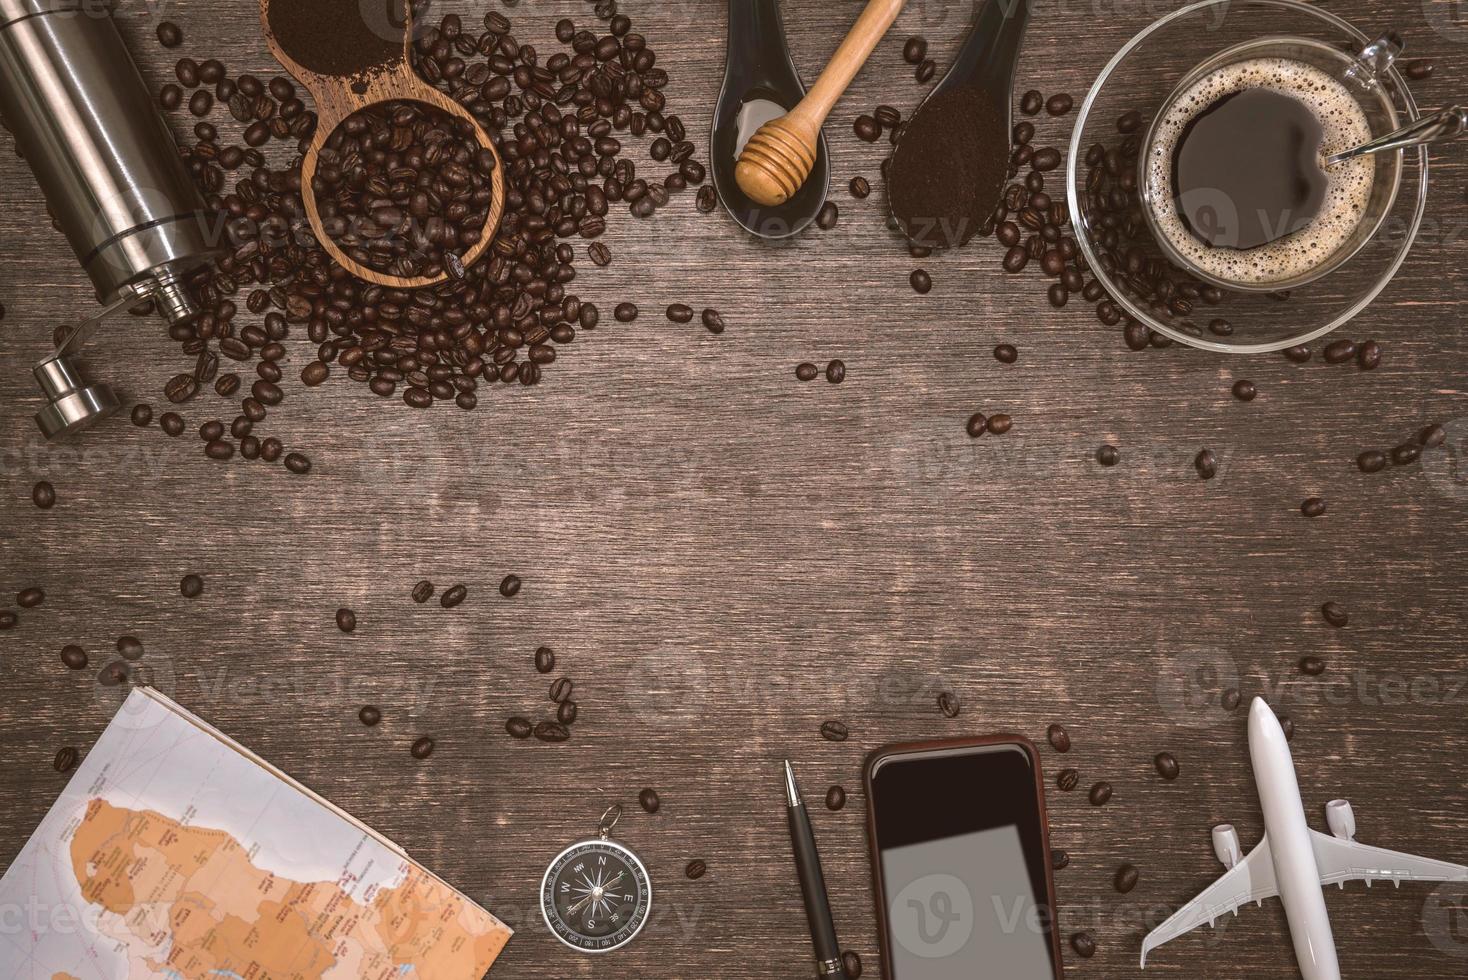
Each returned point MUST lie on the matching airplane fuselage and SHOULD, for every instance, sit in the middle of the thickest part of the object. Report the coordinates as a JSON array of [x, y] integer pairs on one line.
[[1296, 870]]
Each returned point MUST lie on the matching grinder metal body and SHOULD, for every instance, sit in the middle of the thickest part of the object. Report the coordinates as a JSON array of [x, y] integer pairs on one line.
[[87, 124]]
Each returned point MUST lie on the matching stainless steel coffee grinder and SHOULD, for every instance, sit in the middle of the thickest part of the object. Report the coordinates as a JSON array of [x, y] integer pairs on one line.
[[111, 172]]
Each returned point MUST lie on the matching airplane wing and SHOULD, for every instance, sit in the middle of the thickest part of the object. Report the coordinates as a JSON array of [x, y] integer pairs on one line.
[[1251, 880], [1341, 861]]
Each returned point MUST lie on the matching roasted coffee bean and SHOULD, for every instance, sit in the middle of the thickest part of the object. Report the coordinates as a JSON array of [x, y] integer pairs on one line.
[[1059, 105], [1369, 355], [649, 800], [915, 50], [1371, 461], [1220, 327], [297, 463], [1299, 353], [680, 313], [422, 748], [1059, 859], [836, 372], [1031, 102], [860, 187], [270, 449], [1000, 424], [1126, 878], [1312, 666], [314, 374], [1016, 259], [130, 648], [625, 312], [1432, 436], [561, 690], [977, 425], [835, 798], [453, 596], [866, 129], [1245, 391], [949, 705], [142, 415], [1418, 69], [346, 620], [30, 598], [74, 657], [191, 586], [696, 869], [1108, 455], [922, 283], [1206, 463], [599, 253], [43, 495], [1068, 779], [552, 731], [1406, 454], [545, 660], [566, 713], [713, 321], [1084, 944], [1340, 351], [1313, 507], [1335, 614], [1006, 353], [180, 388], [113, 674], [1046, 159], [1167, 766], [518, 727], [211, 430], [1059, 738], [835, 731], [219, 449], [170, 35], [1129, 122], [227, 384], [66, 759], [510, 586], [926, 71], [1101, 794], [851, 965], [423, 591], [369, 715], [806, 371]]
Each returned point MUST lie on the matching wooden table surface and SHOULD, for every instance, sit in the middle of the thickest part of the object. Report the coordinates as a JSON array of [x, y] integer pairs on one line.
[[724, 557]]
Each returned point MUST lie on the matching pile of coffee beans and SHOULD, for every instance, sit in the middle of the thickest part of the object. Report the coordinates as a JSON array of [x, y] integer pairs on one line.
[[405, 188]]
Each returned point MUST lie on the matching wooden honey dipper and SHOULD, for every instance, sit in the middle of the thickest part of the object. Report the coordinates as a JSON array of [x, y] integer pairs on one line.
[[779, 156], [340, 96]]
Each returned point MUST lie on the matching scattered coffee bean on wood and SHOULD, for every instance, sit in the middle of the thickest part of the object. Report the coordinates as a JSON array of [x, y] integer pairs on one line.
[[1406, 454], [1059, 859], [851, 965], [561, 689], [43, 495], [1084, 944], [298, 463], [806, 371], [370, 715], [170, 35], [1432, 436], [1245, 391], [518, 727], [422, 748], [1206, 463], [1000, 424], [1125, 879], [545, 660], [1006, 353], [1068, 779], [1369, 356], [680, 313], [1313, 507], [453, 596], [625, 312], [1108, 455], [1339, 351], [346, 620], [977, 425], [1312, 666], [74, 657], [191, 586], [827, 217], [713, 321], [142, 415], [1418, 69], [171, 423], [65, 760], [860, 188], [835, 798], [649, 800], [922, 283], [696, 870], [1167, 766], [30, 598], [1371, 461], [130, 648], [510, 586], [1335, 614], [835, 731], [1059, 738], [915, 50], [423, 591], [1101, 794], [567, 712], [948, 703], [836, 372], [552, 731]]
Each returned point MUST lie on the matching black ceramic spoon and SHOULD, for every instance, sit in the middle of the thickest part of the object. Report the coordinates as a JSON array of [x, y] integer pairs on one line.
[[948, 171], [760, 84]]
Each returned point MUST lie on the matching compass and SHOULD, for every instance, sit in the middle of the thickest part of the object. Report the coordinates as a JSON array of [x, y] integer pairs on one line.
[[596, 894]]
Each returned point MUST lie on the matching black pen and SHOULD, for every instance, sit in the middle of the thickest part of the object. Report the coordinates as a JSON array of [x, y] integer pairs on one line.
[[812, 882]]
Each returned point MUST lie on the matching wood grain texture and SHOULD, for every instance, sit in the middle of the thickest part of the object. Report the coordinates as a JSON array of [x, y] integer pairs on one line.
[[724, 557]]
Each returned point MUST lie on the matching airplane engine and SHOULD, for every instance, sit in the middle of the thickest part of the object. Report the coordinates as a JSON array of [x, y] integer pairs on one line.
[[1341, 818], [1226, 845]]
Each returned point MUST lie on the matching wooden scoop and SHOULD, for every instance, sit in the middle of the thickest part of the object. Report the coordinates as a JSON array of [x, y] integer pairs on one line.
[[778, 158], [338, 97]]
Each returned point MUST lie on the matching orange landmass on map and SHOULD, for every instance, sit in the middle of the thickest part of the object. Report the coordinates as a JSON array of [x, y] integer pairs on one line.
[[192, 896]]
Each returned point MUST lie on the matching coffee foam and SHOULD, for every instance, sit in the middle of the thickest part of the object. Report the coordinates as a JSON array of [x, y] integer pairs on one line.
[[1349, 184]]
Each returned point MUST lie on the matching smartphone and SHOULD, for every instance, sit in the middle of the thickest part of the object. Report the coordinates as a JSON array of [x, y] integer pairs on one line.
[[961, 861]]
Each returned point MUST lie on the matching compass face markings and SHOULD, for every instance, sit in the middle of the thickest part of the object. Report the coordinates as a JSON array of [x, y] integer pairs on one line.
[[596, 896]]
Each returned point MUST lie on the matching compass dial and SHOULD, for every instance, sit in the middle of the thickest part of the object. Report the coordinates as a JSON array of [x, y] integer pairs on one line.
[[596, 896]]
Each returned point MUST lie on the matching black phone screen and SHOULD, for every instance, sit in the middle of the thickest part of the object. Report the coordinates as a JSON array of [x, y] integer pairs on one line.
[[965, 867]]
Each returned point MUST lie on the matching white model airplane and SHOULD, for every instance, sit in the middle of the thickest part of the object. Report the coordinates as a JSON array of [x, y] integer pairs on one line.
[[1293, 861]]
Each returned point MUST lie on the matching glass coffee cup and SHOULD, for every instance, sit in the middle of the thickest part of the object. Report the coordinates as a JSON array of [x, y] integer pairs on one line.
[[1116, 207]]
